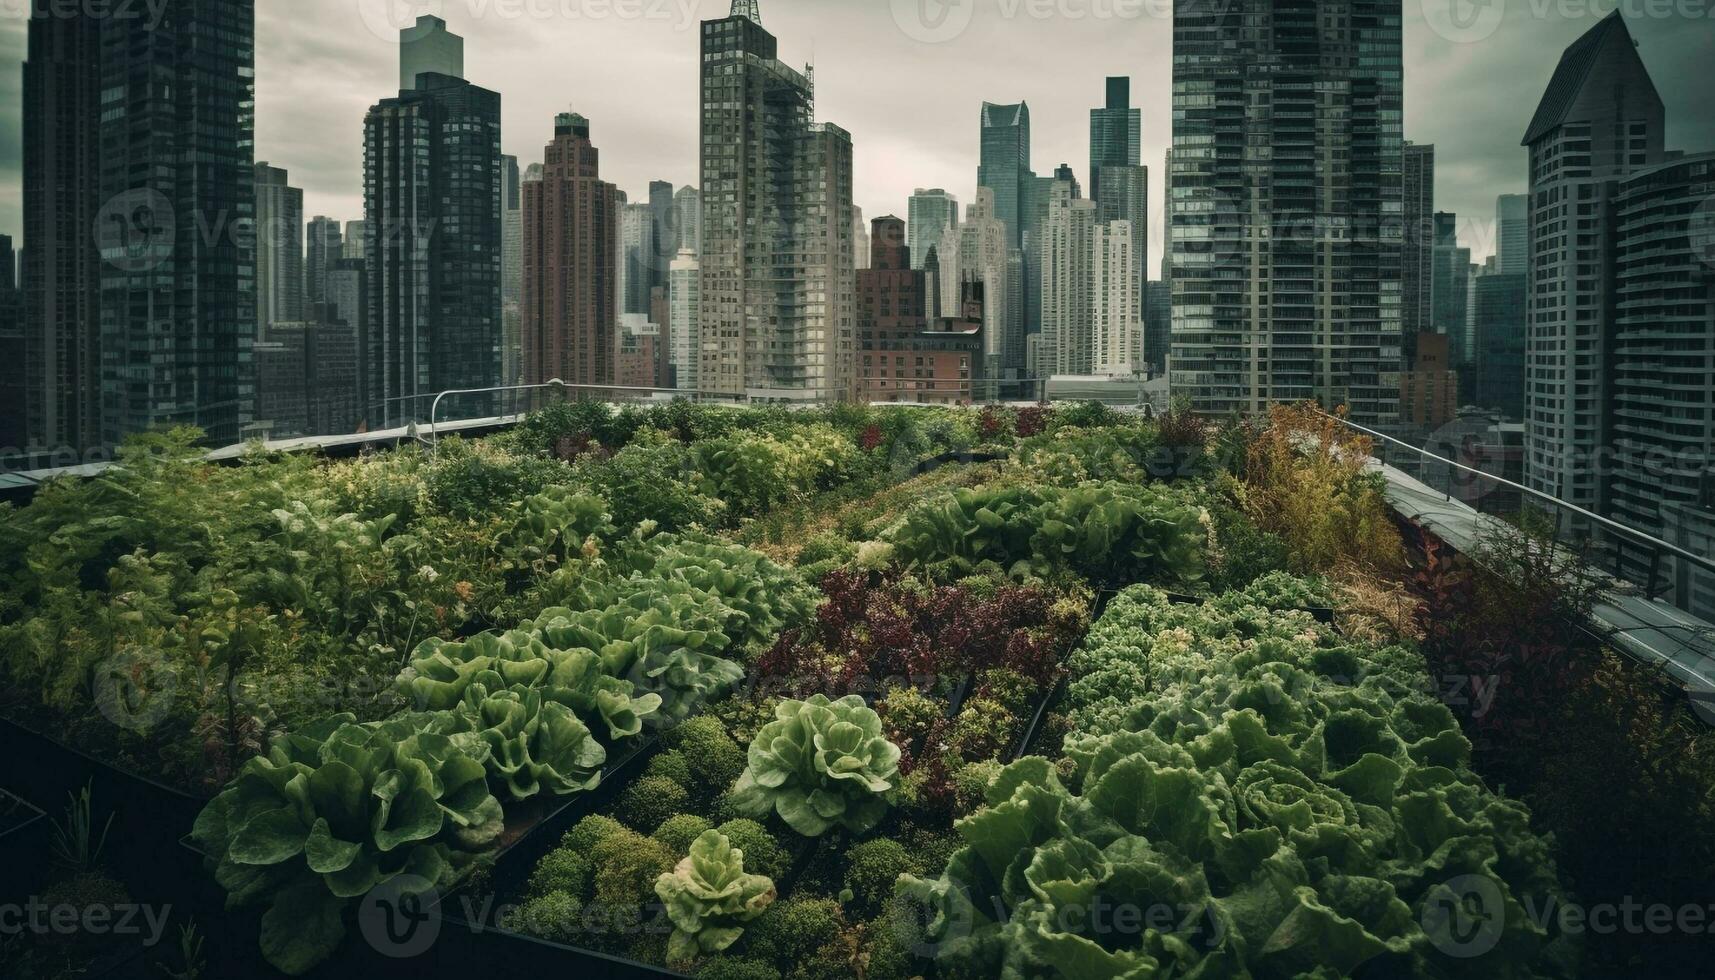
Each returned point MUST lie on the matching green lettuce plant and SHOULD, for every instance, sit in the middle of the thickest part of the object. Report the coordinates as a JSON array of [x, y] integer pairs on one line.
[[535, 746], [709, 897], [560, 522], [1108, 532], [338, 809], [1312, 809], [667, 645], [820, 764], [441, 673]]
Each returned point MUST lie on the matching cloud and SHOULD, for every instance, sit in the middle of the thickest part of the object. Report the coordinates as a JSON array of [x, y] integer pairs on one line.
[[911, 106]]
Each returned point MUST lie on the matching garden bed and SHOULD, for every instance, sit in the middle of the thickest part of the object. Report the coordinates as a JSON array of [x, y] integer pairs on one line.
[[740, 694]]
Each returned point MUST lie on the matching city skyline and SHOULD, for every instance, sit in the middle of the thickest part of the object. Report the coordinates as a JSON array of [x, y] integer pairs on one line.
[[322, 63]]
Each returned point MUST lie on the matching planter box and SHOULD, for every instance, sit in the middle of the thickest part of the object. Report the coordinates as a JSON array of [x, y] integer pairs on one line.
[[149, 816]]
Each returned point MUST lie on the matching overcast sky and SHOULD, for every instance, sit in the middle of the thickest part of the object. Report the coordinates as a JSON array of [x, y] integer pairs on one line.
[[906, 77]]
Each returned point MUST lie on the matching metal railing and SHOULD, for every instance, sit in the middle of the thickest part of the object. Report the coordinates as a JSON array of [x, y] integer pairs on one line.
[[1656, 546]]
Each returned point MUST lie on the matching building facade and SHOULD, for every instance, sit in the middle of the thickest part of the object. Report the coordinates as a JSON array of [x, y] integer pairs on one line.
[[1599, 120], [930, 214], [1067, 341], [1663, 355], [1116, 305], [776, 303], [1285, 213], [1451, 288], [686, 285], [176, 226], [1495, 379], [61, 265], [280, 282], [1417, 248], [324, 244], [1512, 234], [432, 210], [570, 306]]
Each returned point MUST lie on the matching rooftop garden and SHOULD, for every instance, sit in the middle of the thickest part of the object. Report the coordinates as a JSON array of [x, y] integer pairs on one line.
[[884, 693]]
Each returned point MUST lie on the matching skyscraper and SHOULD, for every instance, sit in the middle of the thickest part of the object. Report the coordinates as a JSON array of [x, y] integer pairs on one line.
[[689, 203], [1157, 323], [570, 221], [1417, 264], [432, 197], [931, 211], [61, 265], [324, 244], [1286, 236], [777, 291], [354, 238], [511, 272], [12, 435], [687, 275], [1125, 197], [178, 305], [279, 249], [860, 240], [1116, 134], [976, 250], [1663, 366], [1116, 305], [1004, 166], [1067, 344], [1599, 120], [428, 47], [635, 256], [1495, 378], [1451, 287], [1512, 234], [664, 232]]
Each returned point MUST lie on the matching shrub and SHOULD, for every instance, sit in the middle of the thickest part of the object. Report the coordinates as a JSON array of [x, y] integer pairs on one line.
[[737, 968], [649, 801], [591, 831], [792, 932], [671, 765], [562, 870], [1307, 480], [654, 484], [761, 850], [678, 831], [626, 866], [873, 867], [715, 759], [556, 916]]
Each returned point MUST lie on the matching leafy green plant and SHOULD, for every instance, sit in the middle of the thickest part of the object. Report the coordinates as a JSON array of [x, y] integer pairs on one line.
[[709, 898], [1109, 532], [331, 812], [667, 644], [559, 523], [534, 746], [821, 764], [441, 673]]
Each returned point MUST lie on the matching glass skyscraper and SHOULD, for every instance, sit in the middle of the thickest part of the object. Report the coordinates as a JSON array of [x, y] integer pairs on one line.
[[432, 199], [1285, 208]]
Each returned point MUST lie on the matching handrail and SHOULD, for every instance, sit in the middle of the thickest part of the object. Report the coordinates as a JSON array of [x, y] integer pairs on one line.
[[1625, 529]]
